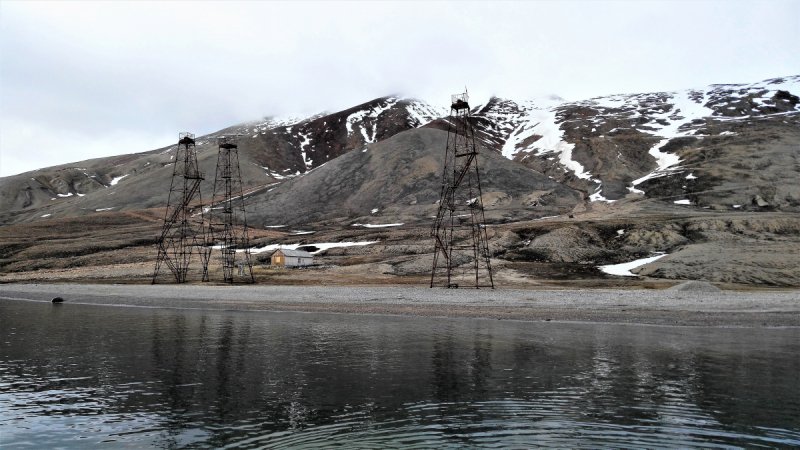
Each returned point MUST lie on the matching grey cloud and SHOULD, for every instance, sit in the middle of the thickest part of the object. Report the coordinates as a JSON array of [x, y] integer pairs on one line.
[[93, 71]]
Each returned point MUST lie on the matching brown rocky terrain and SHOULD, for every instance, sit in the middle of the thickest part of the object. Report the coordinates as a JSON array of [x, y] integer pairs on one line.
[[710, 177], [399, 180], [733, 142], [270, 152], [733, 250]]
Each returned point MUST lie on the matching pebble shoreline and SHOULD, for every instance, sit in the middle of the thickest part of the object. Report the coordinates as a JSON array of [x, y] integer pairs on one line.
[[657, 307]]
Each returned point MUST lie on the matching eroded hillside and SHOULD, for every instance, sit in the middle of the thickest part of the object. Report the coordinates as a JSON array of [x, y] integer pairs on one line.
[[708, 177]]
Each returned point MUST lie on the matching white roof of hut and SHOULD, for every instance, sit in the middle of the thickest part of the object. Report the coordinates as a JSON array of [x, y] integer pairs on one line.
[[294, 253]]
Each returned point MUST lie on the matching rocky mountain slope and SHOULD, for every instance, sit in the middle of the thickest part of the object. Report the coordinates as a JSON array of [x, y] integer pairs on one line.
[[722, 146], [271, 151], [399, 179], [709, 178]]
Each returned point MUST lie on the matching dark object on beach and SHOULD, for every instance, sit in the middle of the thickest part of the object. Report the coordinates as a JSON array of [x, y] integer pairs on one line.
[[58, 300], [571, 216]]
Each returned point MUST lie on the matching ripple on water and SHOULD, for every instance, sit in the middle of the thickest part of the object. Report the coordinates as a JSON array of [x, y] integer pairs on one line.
[[500, 424], [83, 377]]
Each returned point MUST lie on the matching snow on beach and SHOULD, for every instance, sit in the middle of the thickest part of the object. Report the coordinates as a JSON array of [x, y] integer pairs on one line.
[[624, 269]]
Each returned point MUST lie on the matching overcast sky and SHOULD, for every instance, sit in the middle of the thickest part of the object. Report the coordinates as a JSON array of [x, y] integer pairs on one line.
[[84, 80]]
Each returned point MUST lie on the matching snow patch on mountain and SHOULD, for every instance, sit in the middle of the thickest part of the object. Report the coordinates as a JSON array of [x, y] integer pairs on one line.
[[320, 246], [358, 118], [686, 106], [668, 115], [530, 126], [305, 143], [118, 179], [536, 127], [279, 121], [421, 113], [598, 195], [383, 225], [552, 141]]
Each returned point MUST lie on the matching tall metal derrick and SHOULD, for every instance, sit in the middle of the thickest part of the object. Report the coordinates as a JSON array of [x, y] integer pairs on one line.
[[183, 233], [461, 256], [227, 209]]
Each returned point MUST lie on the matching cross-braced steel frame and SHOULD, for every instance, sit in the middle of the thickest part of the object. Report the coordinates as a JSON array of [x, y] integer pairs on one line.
[[461, 254], [183, 232], [228, 220]]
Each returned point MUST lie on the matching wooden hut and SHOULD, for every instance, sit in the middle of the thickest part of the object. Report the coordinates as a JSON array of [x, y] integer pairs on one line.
[[292, 258]]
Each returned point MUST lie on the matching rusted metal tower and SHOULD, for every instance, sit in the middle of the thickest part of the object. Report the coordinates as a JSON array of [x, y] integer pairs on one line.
[[461, 256], [227, 209], [183, 232]]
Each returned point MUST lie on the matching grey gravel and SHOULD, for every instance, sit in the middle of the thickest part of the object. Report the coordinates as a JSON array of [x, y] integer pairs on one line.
[[723, 308], [695, 286]]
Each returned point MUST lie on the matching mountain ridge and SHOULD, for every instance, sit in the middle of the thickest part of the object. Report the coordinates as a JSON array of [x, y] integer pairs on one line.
[[624, 146], [708, 177]]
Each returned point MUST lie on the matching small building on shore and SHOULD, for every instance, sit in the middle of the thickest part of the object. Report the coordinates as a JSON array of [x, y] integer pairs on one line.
[[291, 258]]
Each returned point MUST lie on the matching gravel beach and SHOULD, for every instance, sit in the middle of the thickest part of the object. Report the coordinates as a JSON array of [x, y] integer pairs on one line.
[[658, 307]]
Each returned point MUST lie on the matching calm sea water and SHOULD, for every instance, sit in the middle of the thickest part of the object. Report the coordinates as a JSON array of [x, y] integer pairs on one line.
[[78, 376]]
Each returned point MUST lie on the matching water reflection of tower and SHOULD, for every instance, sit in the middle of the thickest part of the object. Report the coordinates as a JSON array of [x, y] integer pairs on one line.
[[458, 374], [446, 370], [481, 364], [461, 253]]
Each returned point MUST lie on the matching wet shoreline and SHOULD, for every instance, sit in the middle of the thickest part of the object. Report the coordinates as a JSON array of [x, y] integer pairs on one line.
[[654, 307]]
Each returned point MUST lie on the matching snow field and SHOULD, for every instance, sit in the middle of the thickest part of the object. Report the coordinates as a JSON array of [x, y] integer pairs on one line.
[[384, 225], [624, 269], [321, 246]]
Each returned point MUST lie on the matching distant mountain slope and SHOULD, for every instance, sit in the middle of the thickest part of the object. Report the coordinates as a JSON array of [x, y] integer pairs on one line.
[[728, 147], [399, 179], [616, 145], [271, 150], [612, 146], [294, 148]]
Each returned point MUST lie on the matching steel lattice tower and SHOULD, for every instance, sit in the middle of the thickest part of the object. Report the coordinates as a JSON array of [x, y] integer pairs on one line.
[[183, 233], [227, 208], [461, 256]]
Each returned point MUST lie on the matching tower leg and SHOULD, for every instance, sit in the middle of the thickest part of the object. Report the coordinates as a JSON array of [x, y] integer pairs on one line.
[[182, 230], [459, 230], [228, 221]]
